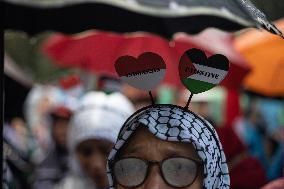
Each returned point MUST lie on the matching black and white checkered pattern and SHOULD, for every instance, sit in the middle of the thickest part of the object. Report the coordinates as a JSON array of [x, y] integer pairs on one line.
[[173, 123]]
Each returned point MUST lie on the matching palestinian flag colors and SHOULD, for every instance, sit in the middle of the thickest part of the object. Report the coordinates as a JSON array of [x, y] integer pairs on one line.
[[144, 73], [199, 73]]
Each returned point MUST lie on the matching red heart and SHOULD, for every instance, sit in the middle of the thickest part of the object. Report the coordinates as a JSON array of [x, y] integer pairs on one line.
[[145, 72]]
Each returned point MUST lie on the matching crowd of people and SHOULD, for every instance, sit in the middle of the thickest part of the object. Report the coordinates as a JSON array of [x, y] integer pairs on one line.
[[71, 138]]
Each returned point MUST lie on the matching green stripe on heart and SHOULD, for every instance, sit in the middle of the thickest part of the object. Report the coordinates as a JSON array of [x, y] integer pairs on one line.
[[196, 86]]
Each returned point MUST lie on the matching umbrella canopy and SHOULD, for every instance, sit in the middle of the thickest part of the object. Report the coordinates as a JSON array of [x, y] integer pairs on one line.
[[264, 52], [163, 17], [97, 51]]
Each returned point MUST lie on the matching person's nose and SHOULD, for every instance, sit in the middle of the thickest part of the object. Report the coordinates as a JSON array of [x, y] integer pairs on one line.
[[98, 163], [154, 179]]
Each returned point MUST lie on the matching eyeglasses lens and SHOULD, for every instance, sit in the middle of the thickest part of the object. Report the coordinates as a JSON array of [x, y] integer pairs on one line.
[[130, 172], [179, 172]]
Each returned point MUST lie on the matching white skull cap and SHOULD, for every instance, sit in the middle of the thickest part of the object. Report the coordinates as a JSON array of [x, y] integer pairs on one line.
[[99, 116]]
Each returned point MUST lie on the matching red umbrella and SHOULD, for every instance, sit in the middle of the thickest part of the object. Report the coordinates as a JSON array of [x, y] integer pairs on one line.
[[97, 51]]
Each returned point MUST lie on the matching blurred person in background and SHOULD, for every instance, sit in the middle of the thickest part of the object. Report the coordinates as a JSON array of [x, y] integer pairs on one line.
[[55, 166], [272, 111], [41, 100], [251, 130], [274, 155], [16, 148], [38, 104], [17, 134], [246, 171], [16, 167], [259, 131], [94, 129]]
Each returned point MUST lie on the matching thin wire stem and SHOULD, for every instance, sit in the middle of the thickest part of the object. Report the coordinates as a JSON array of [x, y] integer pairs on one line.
[[188, 101], [152, 99]]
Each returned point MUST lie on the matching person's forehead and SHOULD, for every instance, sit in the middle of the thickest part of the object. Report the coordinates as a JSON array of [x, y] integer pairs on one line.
[[95, 143], [143, 140]]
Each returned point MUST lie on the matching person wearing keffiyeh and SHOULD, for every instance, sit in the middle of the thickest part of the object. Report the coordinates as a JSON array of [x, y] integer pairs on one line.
[[166, 146]]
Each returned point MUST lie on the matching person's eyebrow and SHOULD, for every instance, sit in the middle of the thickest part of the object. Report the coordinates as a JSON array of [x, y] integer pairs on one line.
[[171, 154], [135, 149], [175, 152]]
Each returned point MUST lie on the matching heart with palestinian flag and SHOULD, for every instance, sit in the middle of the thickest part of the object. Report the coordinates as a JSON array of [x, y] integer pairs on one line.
[[199, 73], [144, 72]]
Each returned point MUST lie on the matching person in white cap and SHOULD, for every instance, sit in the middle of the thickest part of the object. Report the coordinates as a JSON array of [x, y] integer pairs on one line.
[[94, 130]]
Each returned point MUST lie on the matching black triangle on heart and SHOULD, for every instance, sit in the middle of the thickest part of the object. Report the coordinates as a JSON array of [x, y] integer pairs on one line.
[[217, 61]]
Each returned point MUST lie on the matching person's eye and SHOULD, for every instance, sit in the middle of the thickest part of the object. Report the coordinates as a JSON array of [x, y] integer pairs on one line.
[[86, 151], [179, 166], [104, 150]]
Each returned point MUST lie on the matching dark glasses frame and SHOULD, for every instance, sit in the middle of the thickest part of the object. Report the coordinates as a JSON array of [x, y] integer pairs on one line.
[[198, 163]]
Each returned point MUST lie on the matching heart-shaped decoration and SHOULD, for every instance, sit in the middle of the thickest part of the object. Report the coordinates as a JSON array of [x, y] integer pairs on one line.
[[199, 73], [144, 73]]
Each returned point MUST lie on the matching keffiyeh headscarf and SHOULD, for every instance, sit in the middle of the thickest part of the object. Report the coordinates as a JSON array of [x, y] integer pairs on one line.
[[173, 123]]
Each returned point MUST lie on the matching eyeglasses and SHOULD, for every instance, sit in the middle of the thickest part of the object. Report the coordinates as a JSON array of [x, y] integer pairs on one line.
[[177, 172]]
